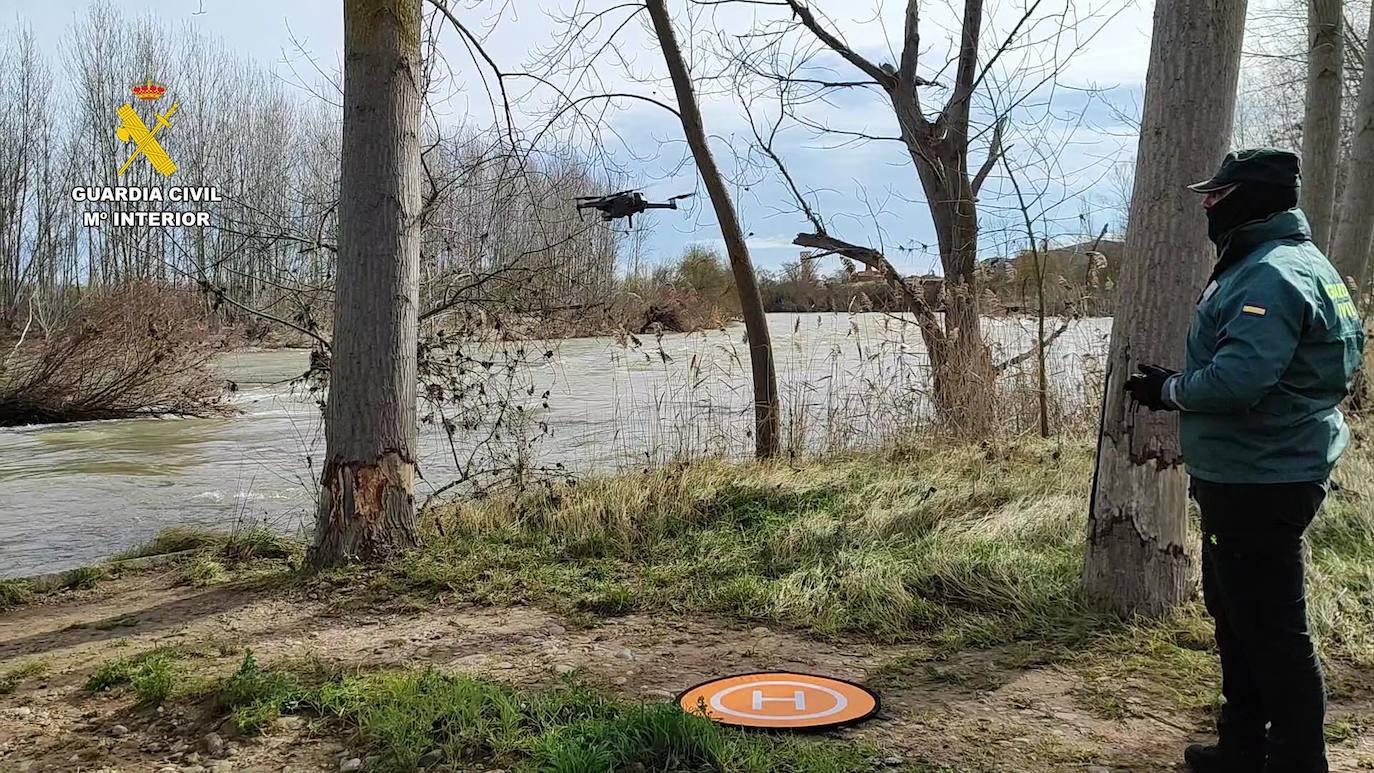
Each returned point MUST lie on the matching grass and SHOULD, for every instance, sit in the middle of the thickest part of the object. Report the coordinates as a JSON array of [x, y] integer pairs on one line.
[[1341, 569], [951, 545], [153, 676], [965, 545], [235, 546], [202, 572], [14, 593], [11, 679], [255, 696], [82, 578], [944, 548], [410, 719], [1343, 729], [174, 539], [1170, 661], [258, 542]]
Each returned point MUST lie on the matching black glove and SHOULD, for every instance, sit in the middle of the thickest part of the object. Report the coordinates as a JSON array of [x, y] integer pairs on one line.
[[1147, 386]]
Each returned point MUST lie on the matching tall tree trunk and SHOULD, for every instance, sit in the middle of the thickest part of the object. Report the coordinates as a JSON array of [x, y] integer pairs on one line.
[[367, 503], [1350, 249], [1137, 525], [1321, 126], [766, 418]]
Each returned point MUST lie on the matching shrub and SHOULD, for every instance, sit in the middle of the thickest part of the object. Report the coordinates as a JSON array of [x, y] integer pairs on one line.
[[702, 270], [140, 350]]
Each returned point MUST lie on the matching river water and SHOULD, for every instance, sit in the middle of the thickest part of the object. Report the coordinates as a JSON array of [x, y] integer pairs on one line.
[[72, 494]]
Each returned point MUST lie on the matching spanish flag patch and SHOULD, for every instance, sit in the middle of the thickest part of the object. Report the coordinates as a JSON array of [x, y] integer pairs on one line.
[[1258, 311]]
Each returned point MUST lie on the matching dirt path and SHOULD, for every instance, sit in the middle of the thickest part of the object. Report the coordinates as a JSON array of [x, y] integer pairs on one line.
[[970, 713]]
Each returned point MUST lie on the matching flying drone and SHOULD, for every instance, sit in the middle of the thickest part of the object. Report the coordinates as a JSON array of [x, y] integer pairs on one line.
[[625, 204]]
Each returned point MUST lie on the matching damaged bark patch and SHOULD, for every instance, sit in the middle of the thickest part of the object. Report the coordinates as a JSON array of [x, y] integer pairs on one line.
[[372, 481], [367, 510], [1147, 437], [1137, 559]]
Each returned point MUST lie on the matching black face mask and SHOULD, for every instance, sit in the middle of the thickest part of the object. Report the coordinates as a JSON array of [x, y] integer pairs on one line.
[[1247, 203]]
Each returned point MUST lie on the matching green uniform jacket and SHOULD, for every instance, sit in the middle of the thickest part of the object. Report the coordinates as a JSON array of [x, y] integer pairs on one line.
[[1273, 348]]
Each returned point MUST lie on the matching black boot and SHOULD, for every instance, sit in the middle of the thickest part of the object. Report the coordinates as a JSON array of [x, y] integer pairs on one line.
[[1211, 759]]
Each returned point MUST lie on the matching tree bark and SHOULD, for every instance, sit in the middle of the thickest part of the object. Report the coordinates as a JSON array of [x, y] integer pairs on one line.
[[1136, 561], [1321, 127], [367, 489], [766, 416], [1350, 248]]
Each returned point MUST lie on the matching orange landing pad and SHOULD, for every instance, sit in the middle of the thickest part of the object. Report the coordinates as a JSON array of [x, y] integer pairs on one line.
[[780, 700]]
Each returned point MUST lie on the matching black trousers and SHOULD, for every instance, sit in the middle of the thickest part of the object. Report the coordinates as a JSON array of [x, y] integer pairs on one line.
[[1252, 582]]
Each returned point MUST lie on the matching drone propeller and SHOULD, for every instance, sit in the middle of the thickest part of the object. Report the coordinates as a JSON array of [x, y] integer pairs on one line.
[[683, 196]]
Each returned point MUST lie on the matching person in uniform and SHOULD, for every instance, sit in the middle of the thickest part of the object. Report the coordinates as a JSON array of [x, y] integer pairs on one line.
[[1274, 346]]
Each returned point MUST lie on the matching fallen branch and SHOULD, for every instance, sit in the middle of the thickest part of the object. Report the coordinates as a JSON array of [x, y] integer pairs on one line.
[[1029, 353], [871, 258]]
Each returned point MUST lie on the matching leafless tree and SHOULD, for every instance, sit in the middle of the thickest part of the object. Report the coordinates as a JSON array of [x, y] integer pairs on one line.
[[1137, 522], [941, 142], [367, 497], [1321, 126]]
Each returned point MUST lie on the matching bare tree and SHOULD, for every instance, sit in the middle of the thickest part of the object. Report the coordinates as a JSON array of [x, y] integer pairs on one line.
[[1350, 250], [766, 419], [939, 148], [1137, 522], [1321, 126], [952, 143], [367, 497]]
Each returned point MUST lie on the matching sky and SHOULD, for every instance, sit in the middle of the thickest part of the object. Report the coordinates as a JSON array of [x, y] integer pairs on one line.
[[1072, 139]]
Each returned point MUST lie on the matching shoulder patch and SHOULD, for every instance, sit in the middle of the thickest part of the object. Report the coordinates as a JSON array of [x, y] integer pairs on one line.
[[1209, 292], [1258, 311]]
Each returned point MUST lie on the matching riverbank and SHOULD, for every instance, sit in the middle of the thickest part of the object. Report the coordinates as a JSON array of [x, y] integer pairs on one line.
[[558, 623]]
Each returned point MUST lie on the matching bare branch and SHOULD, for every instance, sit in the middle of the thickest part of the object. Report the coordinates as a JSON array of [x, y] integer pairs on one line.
[[884, 77], [878, 262], [995, 151], [911, 45], [220, 295], [1031, 352]]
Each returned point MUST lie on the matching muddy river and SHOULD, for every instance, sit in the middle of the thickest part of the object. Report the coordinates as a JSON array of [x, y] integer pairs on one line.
[[72, 494]]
